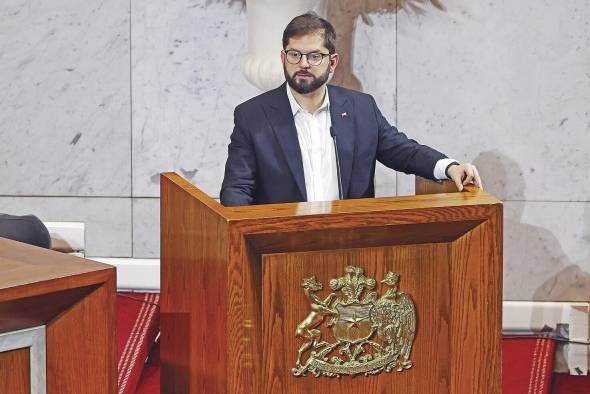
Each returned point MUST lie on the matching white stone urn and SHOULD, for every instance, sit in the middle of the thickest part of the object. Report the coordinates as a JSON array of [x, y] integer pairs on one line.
[[267, 20]]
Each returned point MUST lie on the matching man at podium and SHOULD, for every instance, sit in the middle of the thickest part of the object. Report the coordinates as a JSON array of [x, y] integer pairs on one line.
[[309, 141]]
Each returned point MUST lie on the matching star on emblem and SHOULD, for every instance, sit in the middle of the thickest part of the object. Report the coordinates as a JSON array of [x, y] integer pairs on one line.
[[354, 320]]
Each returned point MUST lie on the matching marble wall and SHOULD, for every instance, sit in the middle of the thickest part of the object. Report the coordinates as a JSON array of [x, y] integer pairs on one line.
[[507, 85], [65, 135], [99, 98]]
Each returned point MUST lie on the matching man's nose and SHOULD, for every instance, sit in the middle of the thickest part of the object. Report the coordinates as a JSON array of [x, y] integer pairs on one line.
[[303, 62]]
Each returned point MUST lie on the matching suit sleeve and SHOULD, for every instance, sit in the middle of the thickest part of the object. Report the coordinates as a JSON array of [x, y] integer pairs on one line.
[[395, 150], [239, 181]]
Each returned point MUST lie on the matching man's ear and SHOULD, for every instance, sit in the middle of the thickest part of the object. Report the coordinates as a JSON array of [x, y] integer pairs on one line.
[[334, 59]]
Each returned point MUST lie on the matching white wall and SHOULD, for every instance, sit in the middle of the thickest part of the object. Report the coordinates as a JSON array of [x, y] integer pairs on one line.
[[98, 98]]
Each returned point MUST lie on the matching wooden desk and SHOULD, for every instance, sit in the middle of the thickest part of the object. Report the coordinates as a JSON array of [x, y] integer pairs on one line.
[[75, 299]]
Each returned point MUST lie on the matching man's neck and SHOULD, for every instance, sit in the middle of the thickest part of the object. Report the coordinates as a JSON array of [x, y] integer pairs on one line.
[[310, 101]]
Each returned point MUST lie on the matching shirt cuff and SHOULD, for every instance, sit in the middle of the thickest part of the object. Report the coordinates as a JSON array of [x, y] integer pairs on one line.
[[440, 167]]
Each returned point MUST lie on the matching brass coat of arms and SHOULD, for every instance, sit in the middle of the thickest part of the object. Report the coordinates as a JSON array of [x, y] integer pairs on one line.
[[372, 334]]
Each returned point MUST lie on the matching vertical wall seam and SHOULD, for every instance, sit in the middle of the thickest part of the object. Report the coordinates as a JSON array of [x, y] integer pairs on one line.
[[131, 130], [396, 96]]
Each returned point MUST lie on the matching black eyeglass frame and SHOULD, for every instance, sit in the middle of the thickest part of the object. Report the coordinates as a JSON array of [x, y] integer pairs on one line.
[[306, 56]]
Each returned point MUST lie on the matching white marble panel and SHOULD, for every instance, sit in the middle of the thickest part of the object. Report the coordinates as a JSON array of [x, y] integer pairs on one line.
[[146, 228], [547, 251], [374, 60], [385, 181], [187, 81], [374, 64], [405, 184], [107, 220], [502, 76], [64, 89]]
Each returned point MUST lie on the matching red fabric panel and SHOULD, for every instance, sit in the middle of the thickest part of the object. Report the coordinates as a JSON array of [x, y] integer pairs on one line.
[[526, 368], [149, 383], [138, 322], [570, 384], [527, 365]]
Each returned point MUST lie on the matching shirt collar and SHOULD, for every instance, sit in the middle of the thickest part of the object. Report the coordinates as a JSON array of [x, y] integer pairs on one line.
[[295, 107]]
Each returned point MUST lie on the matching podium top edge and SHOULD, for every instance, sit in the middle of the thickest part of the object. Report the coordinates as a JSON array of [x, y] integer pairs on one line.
[[22, 265], [470, 197], [365, 205]]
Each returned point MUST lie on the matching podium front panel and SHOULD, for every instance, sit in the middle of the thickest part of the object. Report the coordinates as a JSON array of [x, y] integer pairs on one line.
[[423, 275]]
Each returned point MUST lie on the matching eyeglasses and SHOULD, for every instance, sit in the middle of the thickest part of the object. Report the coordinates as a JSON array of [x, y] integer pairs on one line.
[[313, 58]]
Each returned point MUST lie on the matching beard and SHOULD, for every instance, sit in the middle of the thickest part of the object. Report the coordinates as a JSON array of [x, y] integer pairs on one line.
[[304, 87]]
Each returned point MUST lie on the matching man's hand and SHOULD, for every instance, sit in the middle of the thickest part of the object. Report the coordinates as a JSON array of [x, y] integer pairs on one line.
[[464, 174]]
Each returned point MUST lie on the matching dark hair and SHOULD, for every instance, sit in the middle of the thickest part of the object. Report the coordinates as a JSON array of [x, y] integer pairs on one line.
[[308, 23]]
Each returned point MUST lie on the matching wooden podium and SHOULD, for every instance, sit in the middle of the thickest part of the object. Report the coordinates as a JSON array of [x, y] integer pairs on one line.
[[238, 284], [71, 301]]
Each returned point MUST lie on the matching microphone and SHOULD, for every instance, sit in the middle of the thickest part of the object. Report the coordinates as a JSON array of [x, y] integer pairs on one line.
[[333, 134]]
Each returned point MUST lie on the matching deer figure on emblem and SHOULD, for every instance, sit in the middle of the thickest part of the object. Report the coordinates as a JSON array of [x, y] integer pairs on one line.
[[320, 309]]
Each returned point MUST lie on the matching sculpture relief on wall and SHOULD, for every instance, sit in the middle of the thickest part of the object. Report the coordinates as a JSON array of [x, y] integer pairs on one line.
[[268, 18]]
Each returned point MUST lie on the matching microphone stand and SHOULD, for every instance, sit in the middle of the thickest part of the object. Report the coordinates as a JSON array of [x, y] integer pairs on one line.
[[333, 134]]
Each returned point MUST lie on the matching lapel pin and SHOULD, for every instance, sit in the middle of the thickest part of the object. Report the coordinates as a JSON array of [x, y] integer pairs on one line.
[[344, 114]]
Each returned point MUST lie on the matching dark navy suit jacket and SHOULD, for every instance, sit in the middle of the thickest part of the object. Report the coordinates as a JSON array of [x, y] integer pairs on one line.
[[264, 164]]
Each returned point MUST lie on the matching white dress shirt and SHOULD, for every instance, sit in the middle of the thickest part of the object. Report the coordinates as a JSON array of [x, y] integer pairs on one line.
[[317, 149], [318, 154]]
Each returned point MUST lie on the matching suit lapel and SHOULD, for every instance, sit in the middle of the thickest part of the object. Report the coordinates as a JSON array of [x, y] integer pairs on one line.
[[343, 124], [282, 122]]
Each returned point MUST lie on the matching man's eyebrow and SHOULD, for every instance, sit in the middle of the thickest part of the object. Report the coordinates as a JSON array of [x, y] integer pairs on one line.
[[299, 50]]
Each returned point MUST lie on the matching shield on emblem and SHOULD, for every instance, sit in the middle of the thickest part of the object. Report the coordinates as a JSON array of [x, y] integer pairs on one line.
[[353, 323]]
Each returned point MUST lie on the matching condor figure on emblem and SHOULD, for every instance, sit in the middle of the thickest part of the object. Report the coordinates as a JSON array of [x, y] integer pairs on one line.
[[354, 313]]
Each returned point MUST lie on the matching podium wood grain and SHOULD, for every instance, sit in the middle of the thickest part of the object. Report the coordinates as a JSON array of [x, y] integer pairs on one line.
[[231, 295], [426, 186], [15, 372]]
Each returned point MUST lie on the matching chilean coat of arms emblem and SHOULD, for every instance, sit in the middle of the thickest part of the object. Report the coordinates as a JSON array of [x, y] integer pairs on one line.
[[371, 334]]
